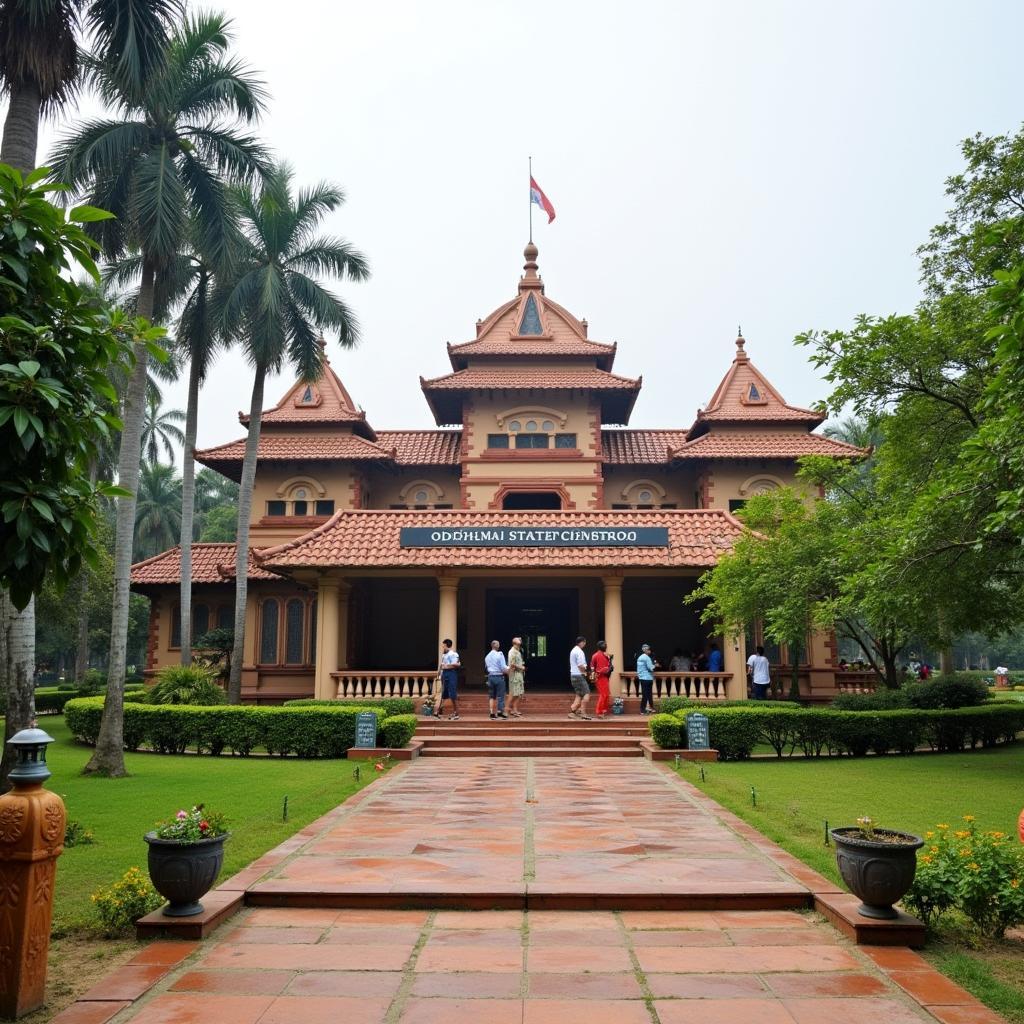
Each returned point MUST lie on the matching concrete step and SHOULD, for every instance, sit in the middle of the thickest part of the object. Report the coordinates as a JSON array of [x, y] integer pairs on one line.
[[532, 751], [518, 729], [511, 740]]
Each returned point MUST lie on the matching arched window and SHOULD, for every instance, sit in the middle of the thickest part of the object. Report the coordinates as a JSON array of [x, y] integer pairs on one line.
[[225, 617], [268, 632], [200, 620], [294, 628]]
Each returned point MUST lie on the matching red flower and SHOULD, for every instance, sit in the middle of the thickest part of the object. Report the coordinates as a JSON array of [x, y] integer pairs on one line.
[[203, 826], [379, 766]]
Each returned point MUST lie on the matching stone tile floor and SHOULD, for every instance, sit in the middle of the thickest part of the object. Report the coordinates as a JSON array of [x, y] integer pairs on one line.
[[279, 965]]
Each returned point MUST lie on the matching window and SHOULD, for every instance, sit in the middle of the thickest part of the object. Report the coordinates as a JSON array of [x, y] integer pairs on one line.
[[325, 508], [268, 632], [176, 627], [530, 324], [531, 500], [398, 507], [294, 623], [276, 508], [225, 617], [444, 506], [669, 504], [619, 506], [300, 508], [497, 440], [531, 440], [735, 504], [515, 426], [200, 620], [565, 440]]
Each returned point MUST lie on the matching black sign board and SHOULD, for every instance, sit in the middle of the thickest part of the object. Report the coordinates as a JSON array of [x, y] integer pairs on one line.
[[697, 737], [366, 729], [534, 537]]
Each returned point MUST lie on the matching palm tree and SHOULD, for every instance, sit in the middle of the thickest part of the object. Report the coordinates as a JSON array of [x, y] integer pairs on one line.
[[160, 164], [158, 513], [276, 307], [41, 63], [160, 430]]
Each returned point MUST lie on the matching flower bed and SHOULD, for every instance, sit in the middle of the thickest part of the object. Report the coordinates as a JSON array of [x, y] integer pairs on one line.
[[816, 732], [316, 731]]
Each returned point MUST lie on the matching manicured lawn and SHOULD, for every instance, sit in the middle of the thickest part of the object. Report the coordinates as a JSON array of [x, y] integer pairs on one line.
[[795, 796], [250, 791]]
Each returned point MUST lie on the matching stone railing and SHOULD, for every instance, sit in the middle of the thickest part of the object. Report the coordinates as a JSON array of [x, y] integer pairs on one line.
[[856, 682], [374, 684], [696, 685]]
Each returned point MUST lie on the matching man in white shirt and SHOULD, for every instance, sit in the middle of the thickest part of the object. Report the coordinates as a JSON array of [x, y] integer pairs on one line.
[[448, 670], [1002, 677], [578, 680], [497, 669], [760, 674]]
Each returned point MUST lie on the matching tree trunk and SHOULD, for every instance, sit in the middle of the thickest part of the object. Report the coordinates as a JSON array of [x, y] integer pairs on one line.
[[18, 665], [794, 680], [108, 757], [252, 443], [21, 129], [188, 509], [82, 630]]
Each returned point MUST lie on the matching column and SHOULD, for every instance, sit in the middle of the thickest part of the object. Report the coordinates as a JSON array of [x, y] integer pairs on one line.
[[327, 637], [735, 650], [613, 629], [447, 610]]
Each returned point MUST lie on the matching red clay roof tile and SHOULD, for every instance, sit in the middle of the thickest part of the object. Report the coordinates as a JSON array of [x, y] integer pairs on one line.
[[422, 447], [211, 563], [531, 377], [640, 447], [765, 446]]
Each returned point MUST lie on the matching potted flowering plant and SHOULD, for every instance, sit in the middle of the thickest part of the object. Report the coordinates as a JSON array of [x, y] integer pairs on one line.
[[185, 857], [877, 864]]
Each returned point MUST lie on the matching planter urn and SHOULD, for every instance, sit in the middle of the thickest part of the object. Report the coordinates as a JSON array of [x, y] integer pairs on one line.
[[182, 872], [877, 871]]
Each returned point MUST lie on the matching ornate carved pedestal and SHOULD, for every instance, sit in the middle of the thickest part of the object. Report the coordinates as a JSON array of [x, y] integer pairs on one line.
[[31, 839]]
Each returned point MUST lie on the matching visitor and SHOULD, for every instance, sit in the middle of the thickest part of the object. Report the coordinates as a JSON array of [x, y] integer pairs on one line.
[[843, 665], [448, 673], [497, 669], [601, 667], [924, 673], [516, 676], [679, 662], [1002, 677], [645, 666], [700, 662], [716, 663], [760, 674], [578, 680]]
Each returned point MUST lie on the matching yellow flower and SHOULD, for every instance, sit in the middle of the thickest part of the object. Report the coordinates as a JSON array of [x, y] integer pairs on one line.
[[973, 866], [965, 852], [926, 858], [1014, 883], [942, 825], [968, 817], [997, 835], [961, 834], [933, 849], [929, 835]]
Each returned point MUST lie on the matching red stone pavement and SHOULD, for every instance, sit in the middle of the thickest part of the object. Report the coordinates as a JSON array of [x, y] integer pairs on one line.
[[563, 825]]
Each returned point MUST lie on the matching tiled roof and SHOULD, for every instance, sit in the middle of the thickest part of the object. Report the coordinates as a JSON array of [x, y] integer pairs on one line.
[[765, 446], [640, 447], [211, 563], [371, 539], [422, 447], [497, 348], [587, 378], [282, 447]]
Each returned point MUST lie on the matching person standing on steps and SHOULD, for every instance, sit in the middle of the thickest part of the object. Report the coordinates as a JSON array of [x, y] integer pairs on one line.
[[601, 666], [760, 674], [578, 680], [516, 676], [645, 666], [448, 670], [497, 669]]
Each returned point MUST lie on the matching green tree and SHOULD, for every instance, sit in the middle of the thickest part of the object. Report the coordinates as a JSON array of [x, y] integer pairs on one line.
[[220, 524], [160, 430], [275, 307], [158, 512], [56, 408], [160, 164]]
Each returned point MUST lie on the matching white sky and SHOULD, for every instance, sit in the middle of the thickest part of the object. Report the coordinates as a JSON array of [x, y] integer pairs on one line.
[[770, 164]]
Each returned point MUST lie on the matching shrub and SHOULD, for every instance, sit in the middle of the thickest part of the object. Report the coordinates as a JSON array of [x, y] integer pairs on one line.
[[979, 873], [52, 703], [121, 904], [397, 730], [881, 700], [186, 684], [733, 732], [92, 682], [76, 834], [953, 691], [666, 730], [391, 705]]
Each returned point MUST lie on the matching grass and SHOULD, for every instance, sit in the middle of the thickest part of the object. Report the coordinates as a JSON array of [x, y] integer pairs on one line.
[[250, 791], [796, 796]]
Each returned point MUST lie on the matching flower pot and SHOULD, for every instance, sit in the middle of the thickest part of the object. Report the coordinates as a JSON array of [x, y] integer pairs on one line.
[[877, 871], [182, 872]]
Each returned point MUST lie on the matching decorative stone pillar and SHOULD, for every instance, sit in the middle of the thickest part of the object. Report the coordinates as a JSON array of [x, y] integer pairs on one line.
[[447, 610], [31, 839], [344, 592], [326, 638], [613, 630], [734, 649]]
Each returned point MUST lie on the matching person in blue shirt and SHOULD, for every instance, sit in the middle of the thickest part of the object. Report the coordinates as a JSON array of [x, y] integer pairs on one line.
[[497, 669], [645, 666], [716, 663]]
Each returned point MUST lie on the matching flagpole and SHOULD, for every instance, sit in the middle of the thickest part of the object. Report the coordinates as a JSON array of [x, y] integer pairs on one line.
[[529, 194]]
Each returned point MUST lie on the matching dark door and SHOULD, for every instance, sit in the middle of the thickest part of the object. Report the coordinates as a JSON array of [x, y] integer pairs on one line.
[[547, 622]]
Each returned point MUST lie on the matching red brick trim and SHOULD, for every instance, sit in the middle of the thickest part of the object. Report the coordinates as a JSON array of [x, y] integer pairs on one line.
[[531, 454]]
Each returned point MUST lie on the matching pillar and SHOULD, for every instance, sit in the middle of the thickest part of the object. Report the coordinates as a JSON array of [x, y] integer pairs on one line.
[[734, 648], [31, 839], [327, 623], [613, 629], [447, 610]]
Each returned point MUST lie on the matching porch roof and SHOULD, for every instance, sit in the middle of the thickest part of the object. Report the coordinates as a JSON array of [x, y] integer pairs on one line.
[[371, 539]]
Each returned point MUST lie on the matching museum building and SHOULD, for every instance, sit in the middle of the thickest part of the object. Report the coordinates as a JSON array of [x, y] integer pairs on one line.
[[531, 510]]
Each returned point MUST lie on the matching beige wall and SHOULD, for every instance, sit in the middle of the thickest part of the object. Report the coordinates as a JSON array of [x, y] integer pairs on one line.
[[571, 413], [385, 487], [739, 480], [678, 484]]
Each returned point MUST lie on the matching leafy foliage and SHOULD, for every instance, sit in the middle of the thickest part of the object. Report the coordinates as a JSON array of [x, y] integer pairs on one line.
[[121, 904], [192, 825], [186, 684]]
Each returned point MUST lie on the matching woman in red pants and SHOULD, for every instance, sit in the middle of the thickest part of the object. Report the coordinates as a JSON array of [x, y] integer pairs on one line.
[[601, 666]]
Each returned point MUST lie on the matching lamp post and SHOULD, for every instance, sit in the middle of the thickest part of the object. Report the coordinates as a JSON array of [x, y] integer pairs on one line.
[[31, 839]]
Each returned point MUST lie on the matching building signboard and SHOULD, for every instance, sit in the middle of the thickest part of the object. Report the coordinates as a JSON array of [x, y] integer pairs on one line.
[[534, 537]]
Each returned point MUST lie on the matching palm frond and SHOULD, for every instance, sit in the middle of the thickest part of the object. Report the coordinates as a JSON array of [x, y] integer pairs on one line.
[[216, 87], [38, 49], [325, 309], [160, 205], [330, 256]]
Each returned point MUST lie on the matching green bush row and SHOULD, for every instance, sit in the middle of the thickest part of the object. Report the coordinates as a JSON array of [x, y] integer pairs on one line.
[[240, 729], [958, 690], [816, 732], [396, 731], [52, 703], [670, 705], [391, 705]]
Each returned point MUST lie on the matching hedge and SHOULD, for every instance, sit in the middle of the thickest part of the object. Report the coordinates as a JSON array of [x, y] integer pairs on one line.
[[53, 703], [391, 705], [953, 691], [307, 732], [670, 705], [735, 731]]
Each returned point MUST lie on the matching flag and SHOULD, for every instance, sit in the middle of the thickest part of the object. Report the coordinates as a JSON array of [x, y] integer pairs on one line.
[[538, 197]]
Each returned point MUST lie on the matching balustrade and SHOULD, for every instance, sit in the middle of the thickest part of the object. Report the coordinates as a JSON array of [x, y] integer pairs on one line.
[[856, 682], [375, 685], [695, 685]]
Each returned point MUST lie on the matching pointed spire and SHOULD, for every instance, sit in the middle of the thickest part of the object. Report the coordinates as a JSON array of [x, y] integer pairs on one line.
[[531, 279], [322, 342], [741, 355]]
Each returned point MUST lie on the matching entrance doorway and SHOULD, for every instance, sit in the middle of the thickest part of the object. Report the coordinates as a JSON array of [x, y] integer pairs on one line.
[[547, 620], [531, 500]]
